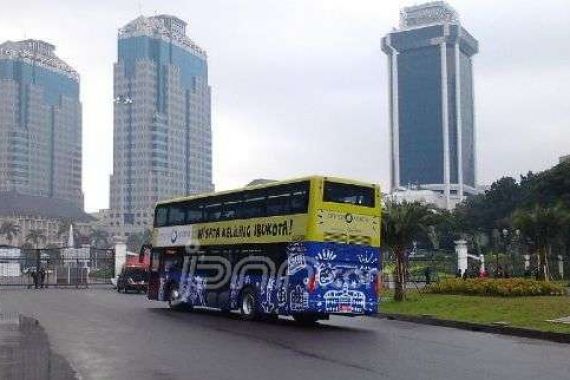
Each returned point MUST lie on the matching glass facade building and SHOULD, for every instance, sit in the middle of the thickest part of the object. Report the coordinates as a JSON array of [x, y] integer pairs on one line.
[[40, 123], [162, 125], [431, 101]]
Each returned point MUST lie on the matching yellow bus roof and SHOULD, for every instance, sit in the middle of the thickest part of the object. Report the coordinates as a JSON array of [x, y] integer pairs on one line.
[[265, 185]]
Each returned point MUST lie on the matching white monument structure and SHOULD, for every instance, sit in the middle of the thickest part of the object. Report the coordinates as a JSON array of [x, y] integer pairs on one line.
[[463, 256]]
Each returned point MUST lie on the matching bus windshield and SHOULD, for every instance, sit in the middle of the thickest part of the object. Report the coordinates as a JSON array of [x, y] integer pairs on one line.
[[351, 194]]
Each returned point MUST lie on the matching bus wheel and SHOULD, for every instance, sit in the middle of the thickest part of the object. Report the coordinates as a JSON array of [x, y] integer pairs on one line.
[[306, 319], [248, 307], [174, 300]]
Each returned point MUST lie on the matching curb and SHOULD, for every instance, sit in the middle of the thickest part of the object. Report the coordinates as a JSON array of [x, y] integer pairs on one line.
[[479, 327]]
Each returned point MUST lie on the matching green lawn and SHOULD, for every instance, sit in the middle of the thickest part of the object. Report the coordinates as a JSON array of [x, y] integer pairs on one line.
[[527, 312]]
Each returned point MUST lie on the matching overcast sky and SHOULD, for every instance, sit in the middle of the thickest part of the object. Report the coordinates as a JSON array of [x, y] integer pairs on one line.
[[300, 87]]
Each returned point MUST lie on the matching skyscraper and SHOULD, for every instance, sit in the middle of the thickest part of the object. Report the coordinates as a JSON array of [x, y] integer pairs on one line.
[[431, 101], [40, 123], [162, 129]]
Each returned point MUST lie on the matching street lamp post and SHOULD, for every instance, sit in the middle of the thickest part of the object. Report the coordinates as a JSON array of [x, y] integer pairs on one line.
[[515, 252], [505, 235]]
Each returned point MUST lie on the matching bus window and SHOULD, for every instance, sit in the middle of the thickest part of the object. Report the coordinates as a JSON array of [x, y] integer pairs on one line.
[[212, 212], [193, 214], [161, 217], [253, 205], [299, 202], [278, 204], [177, 215], [231, 209], [351, 194]]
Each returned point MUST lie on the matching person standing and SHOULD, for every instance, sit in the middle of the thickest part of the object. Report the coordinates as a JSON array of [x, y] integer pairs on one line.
[[35, 278], [42, 277]]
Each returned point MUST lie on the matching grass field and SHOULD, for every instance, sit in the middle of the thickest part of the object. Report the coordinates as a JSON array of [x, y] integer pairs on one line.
[[527, 312]]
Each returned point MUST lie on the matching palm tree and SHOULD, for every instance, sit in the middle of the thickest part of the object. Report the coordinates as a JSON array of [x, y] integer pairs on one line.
[[10, 230], [543, 225], [63, 229], [100, 238], [36, 236], [402, 224]]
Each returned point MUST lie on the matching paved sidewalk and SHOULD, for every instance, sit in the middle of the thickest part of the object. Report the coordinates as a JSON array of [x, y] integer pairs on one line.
[[25, 352]]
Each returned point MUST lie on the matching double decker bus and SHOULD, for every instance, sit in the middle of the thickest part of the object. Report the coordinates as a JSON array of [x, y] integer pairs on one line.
[[306, 248]]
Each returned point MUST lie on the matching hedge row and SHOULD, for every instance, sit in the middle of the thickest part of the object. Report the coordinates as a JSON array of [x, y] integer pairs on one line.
[[511, 287]]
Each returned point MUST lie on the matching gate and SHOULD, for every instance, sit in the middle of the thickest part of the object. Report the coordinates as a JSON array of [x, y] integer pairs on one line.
[[56, 267]]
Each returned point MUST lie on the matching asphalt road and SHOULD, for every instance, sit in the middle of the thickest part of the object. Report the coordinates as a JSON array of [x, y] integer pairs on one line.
[[106, 335]]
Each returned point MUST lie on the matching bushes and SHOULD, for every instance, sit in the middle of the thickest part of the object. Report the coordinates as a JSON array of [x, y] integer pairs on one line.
[[512, 287], [102, 273]]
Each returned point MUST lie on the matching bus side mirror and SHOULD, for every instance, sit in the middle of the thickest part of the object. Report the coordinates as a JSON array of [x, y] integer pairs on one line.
[[145, 250]]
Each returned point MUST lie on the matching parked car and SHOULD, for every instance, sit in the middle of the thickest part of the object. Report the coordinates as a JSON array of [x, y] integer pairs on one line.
[[132, 278]]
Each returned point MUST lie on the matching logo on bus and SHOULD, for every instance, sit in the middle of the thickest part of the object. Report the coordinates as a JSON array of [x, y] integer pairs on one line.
[[174, 236], [295, 258]]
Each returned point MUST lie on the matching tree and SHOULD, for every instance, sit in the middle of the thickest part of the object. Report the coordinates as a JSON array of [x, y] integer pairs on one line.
[[548, 188], [99, 238], [10, 230], [543, 225], [35, 237], [402, 224], [63, 229], [136, 240], [492, 210]]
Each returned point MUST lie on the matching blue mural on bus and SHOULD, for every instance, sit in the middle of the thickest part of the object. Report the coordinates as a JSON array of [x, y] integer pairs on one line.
[[320, 278]]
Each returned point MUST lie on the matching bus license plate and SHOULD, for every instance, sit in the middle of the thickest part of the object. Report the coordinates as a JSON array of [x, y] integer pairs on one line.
[[345, 309]]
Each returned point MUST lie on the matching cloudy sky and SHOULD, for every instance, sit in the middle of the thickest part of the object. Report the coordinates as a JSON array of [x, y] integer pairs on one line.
[[300, 86]]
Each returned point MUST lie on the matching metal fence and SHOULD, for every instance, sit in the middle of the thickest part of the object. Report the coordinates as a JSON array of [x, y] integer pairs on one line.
[[432, 267], [56, 267], [422, 269]]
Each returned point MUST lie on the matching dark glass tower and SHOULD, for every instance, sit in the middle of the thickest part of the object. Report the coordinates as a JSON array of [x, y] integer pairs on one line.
[[431, 101], [162, 129], [40, 122]]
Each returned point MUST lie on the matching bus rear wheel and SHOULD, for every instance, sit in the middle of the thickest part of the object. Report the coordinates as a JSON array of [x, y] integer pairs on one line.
[[248, 305], [306, 319]]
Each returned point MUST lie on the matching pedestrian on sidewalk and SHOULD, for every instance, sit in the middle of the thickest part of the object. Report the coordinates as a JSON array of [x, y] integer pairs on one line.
[[42, 276], [35, 278]]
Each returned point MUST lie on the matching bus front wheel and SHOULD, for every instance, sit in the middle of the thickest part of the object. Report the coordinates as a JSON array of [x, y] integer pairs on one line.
[[174, 300], [248, 305]]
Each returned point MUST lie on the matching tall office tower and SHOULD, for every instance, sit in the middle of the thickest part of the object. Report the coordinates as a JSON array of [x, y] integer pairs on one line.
[[162, 130], [431, 101], [40, 123]]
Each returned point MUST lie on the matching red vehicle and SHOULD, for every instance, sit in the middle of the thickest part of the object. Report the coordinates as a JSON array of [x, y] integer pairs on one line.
[[134, 275], [133, 278]]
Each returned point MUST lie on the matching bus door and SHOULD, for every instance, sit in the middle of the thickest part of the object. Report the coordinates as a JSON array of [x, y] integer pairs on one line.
[[154, 274]]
